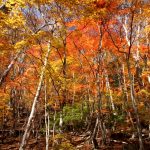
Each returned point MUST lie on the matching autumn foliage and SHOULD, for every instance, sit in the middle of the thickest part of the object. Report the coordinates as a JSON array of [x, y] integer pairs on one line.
[[74, 66]]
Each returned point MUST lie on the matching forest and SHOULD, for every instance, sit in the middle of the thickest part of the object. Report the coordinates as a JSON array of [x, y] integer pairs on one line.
[[74, 75]]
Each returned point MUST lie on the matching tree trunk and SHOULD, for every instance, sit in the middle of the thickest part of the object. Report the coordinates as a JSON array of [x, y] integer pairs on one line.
[[98, 86], [60, 121], [26, 133], [134, 105], [126, 97], [47, 121], [110, 93], [5, 73], [54, 124]]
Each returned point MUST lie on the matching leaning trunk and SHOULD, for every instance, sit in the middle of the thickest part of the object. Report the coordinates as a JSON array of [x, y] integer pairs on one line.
[[27, 131], [134, 105], [5, 73]]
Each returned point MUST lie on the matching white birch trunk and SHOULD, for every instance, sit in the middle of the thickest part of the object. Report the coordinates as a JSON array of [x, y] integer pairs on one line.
[[54, 124], [124, 82], [134, 104], [5, 73], [127, 99], [61, 121], [126, 31], [74, 91], [110, 93], [26, 133], [46, 120]]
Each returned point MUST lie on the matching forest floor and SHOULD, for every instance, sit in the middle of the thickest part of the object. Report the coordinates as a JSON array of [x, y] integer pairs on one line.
[[70, 141]]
